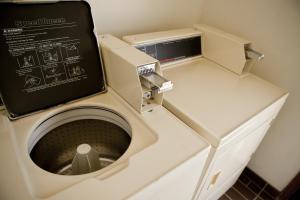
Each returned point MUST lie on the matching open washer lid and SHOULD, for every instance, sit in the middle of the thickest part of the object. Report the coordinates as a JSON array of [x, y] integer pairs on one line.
[[48, 55]]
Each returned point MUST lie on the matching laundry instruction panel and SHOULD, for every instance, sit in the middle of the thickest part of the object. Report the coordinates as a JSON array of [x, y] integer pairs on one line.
[[45, 61], [46, 50]]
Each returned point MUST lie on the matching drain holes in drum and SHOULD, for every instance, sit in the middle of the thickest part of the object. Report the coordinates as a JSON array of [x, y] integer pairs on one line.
[[55, 151]]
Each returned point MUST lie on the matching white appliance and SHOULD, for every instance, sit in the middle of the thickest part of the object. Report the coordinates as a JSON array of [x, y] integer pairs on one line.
[[65, 134], [216, 95]]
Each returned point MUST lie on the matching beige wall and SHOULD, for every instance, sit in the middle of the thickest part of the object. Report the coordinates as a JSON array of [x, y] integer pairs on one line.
[[122, 17], [274, 28]]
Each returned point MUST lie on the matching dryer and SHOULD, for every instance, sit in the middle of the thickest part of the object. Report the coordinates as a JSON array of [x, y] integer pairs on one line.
[[215, 94], [65, 134]]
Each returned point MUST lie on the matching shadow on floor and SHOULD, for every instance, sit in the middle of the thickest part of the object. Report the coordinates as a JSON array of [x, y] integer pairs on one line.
[[250, 186]]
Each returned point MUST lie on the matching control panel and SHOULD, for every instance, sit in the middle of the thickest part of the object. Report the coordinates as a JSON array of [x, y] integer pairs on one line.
[[152, 80], [172, 50], [134, 75]]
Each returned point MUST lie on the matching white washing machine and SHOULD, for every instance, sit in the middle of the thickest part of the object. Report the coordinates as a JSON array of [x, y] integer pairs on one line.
[[215, 94], [64, 134]]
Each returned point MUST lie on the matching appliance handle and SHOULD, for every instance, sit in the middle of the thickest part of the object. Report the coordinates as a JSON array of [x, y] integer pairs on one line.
[[252, 54]]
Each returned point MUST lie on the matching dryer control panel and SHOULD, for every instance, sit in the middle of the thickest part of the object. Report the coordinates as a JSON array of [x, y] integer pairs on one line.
[[173, 50], [168, 46]]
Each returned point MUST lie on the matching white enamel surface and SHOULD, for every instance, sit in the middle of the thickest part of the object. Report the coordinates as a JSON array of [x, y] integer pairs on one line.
[[219, 101], [21, 131], [223, 48], [274, 28], [230, 158], [232, 112], [155, 150], [226, 185], [227, 110], [121, 62]]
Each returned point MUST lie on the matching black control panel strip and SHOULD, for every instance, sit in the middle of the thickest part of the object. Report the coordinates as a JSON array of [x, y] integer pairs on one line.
[[173, 50]]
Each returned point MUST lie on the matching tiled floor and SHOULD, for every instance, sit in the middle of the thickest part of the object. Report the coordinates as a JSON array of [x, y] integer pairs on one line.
[[250, 187]]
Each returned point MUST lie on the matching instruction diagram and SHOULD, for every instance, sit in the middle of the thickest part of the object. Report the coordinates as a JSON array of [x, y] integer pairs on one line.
[[45, 56], [75, 70], [54, 73], [49, 55], [31, 81], [72, 50], [27, 59]]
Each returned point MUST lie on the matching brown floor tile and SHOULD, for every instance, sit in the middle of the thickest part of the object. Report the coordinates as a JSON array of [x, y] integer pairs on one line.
[[254, 177], [234, 195], [272, 191], [248, 186], [266, 196], [224, 197], [254, 188], [244, 179], [244, 190]]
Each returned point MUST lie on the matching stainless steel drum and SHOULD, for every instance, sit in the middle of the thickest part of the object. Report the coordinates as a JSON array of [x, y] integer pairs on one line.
[[80, 136]]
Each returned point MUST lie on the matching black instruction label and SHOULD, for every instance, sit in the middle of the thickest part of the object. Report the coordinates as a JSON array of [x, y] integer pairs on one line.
[[45, 59], [49, 54]]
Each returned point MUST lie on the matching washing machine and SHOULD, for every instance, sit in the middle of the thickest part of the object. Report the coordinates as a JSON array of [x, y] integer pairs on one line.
[[65, 134], [216, 94]]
